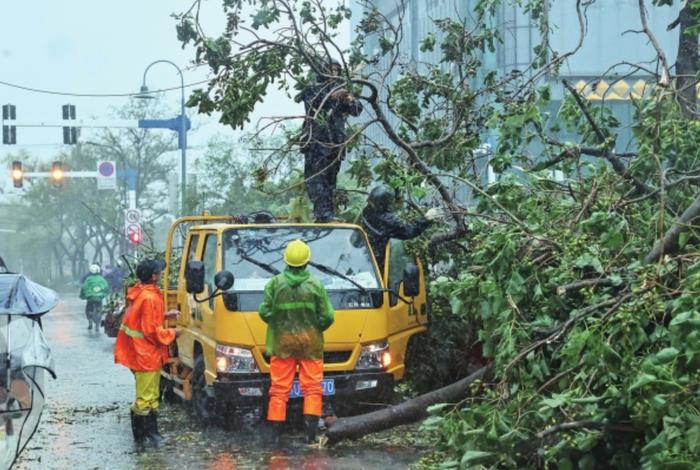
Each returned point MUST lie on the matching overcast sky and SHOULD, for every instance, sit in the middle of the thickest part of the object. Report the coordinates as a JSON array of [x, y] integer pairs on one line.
[[89, 46]]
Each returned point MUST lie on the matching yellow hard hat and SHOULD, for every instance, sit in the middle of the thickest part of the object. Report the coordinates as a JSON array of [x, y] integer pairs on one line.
[[297, 254]]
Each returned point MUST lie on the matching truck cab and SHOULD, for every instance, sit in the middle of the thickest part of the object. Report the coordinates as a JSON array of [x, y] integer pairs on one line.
[[220, 362]]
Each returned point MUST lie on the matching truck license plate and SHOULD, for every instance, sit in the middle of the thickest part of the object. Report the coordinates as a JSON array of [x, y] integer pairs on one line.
[[327, 384]]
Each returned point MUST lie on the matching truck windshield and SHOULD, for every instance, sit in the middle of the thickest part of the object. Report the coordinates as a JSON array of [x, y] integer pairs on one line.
[[254, 255]]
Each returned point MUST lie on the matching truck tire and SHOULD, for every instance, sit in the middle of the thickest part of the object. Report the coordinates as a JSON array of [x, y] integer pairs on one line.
[[203, 404], [166, 390]]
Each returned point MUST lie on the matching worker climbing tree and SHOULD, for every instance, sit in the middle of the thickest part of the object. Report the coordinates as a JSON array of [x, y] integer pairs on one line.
[[327, 105]]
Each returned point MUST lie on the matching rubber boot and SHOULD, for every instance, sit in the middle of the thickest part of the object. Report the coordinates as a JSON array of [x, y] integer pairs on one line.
[[138, 428], [152, 433], [310, 426], [274, 433]]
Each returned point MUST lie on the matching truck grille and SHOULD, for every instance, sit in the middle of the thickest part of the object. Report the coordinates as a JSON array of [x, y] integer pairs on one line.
[[329, 357], [336, 357]]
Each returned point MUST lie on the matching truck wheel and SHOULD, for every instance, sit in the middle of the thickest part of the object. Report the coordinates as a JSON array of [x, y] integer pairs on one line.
[[203, 404], [166, 390]]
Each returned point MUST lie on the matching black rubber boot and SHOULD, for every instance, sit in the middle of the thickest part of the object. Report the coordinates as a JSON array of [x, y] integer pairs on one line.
[[310, 426], [152, 433], [138, 428], [274, 433]]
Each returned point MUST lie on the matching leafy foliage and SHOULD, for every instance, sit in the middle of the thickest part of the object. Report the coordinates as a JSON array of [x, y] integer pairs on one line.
[[624, 372], [595, 348]]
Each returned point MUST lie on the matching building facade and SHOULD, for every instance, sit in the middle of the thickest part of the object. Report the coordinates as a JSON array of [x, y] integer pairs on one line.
[[609, 40]]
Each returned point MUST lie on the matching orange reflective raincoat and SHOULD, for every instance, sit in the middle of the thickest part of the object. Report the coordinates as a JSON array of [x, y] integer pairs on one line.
[[142, 342]]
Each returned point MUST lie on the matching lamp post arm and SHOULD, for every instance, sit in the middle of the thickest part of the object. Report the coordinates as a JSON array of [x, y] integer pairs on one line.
[[182, 133], [179, 71]]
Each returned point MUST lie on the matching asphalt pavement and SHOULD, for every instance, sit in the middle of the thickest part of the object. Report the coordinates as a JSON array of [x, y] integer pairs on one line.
[[85, 424]]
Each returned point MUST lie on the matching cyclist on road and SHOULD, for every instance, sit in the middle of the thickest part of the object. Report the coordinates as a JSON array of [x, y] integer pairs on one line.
[[94, 290]]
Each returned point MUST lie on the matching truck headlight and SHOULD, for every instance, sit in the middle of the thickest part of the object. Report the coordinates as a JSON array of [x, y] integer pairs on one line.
[[374, 356], [233, 360]]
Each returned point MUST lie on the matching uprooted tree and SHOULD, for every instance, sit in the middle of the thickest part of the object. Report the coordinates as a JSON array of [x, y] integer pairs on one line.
[[582, 290]]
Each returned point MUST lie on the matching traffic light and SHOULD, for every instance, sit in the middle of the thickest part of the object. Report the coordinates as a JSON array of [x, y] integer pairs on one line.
[[70, 134], [17, 174], [9, 133], [57, 173], [134, 236]]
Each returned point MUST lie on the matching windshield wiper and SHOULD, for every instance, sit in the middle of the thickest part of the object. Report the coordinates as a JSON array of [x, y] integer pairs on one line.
[[267, 267], [328, 270]]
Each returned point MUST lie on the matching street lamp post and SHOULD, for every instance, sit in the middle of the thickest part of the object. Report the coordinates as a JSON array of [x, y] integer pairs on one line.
[[180, 125]]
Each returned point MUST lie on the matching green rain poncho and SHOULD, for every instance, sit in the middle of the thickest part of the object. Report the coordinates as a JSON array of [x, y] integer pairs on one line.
[[95, 287], [297, 311]]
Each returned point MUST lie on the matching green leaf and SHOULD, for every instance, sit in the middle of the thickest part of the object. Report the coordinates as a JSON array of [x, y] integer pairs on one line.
[[690, 318], [428, 43], [588, 260], [456, 304], [473, 456], [665, 355], [642, 380], [556, 401], [437, 407]]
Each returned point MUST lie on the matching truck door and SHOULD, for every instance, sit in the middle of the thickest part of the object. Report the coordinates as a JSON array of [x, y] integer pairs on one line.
[[403, 316], [205, 310], [185, 301]]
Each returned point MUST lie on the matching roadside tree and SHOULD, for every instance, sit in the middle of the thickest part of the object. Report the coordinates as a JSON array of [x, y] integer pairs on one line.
[[579, 292]]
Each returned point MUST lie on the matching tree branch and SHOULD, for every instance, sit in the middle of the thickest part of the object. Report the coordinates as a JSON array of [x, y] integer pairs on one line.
[[669, 243], [665, 75], [575, 286], [609, 155]]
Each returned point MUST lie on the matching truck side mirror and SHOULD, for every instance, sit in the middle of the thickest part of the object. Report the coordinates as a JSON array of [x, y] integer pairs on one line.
[[411, 280], [194, 277], [223, 280]]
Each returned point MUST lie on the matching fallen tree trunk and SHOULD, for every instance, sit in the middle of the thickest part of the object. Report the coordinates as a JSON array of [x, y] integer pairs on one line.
[[407, 412], [416, 408]]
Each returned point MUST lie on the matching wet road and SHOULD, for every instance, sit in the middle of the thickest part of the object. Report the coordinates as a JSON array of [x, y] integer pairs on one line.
[[85, 423]]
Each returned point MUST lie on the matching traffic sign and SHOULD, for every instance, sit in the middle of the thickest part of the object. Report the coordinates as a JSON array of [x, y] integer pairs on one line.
[[106, 174], [132, 216]]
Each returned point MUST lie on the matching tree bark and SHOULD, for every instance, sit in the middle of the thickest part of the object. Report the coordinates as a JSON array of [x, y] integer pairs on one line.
[[687, 63], [669, 243], [407, 412]]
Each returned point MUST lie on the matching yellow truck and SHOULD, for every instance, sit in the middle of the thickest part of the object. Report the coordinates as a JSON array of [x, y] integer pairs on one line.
[[216, 280]]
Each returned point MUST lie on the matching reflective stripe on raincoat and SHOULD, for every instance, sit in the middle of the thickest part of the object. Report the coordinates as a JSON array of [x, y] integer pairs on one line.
[[297, 311], [142, 342]]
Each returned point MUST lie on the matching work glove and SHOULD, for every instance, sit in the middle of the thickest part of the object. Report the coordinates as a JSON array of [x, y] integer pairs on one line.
[[435, 213]]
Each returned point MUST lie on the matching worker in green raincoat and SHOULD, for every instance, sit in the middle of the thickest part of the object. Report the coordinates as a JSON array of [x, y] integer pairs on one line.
[[297, 311]]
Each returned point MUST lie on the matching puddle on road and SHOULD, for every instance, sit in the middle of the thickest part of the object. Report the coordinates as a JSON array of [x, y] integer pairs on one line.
[[86, 425], [101, 438]]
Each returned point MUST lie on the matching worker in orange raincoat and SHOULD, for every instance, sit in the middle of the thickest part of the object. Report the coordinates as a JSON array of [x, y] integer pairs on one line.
[[142, 346], [297, 311]]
